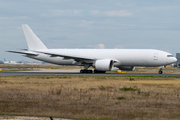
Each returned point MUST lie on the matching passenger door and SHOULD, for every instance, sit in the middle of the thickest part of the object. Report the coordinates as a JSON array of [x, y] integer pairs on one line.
[[155, 56]]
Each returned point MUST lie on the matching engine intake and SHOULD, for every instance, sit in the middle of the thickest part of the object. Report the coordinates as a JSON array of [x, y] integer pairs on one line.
[[104, 65]]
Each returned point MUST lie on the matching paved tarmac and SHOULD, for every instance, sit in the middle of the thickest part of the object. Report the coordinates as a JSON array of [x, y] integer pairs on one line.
[[15, 73]]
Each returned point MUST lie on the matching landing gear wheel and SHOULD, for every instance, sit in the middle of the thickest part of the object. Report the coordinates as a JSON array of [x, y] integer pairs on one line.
[[89, 71], [96, 71], [81, 71], [86, 71], [160, 72]]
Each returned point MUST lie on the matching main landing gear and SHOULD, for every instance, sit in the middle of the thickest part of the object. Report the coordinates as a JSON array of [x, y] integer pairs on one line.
[[86, 71], [91, 71], [96, 71]]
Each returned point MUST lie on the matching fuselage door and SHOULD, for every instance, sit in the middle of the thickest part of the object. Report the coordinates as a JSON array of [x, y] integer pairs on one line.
[[155, 56]]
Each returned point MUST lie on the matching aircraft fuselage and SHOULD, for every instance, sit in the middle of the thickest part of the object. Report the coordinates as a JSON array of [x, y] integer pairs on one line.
[[124, 57]]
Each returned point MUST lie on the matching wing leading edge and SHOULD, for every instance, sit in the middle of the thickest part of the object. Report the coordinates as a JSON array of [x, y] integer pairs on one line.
[[75, 57], [36, 53]]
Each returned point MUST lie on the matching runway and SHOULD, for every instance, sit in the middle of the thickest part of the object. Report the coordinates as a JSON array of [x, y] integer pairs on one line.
[[15, 73]]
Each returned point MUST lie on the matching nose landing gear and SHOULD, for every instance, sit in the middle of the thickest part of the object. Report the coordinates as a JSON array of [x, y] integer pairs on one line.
[[160, 70]]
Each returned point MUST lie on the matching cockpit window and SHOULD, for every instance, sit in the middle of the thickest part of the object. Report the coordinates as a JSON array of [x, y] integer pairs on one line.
[[169, 55]]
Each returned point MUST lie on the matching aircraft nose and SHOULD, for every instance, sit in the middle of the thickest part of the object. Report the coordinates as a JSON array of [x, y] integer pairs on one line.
[[174, 59]]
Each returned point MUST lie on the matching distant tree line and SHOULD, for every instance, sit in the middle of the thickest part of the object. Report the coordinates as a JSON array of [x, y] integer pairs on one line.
[[1, 62]]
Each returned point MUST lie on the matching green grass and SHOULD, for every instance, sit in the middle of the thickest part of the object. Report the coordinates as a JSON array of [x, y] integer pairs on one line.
[[120, 98], [128, 89]]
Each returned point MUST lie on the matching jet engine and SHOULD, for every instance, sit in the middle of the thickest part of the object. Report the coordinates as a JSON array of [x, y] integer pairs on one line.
[[104, 65], [127, 68]]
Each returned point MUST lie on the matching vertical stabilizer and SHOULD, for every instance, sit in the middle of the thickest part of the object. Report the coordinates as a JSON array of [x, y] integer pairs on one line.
[[34, 43]]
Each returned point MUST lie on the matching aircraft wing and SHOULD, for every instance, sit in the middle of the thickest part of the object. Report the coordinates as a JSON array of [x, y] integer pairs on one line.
[[25, 52], [75, 57]]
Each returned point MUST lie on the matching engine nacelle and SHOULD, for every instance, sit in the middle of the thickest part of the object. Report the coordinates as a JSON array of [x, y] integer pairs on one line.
[[104, 65], [127, 68]]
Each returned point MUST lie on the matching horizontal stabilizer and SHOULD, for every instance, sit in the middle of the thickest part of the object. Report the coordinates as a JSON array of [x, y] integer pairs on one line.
[[25, 52]]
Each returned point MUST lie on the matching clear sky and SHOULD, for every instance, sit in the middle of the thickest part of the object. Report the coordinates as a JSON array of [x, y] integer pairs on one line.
[[146, 24]]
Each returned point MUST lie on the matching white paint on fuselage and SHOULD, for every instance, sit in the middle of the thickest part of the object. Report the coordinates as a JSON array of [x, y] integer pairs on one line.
[[126, 57]]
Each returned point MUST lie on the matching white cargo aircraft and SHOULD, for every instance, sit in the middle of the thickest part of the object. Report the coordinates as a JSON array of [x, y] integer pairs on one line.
[[101, 59]]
